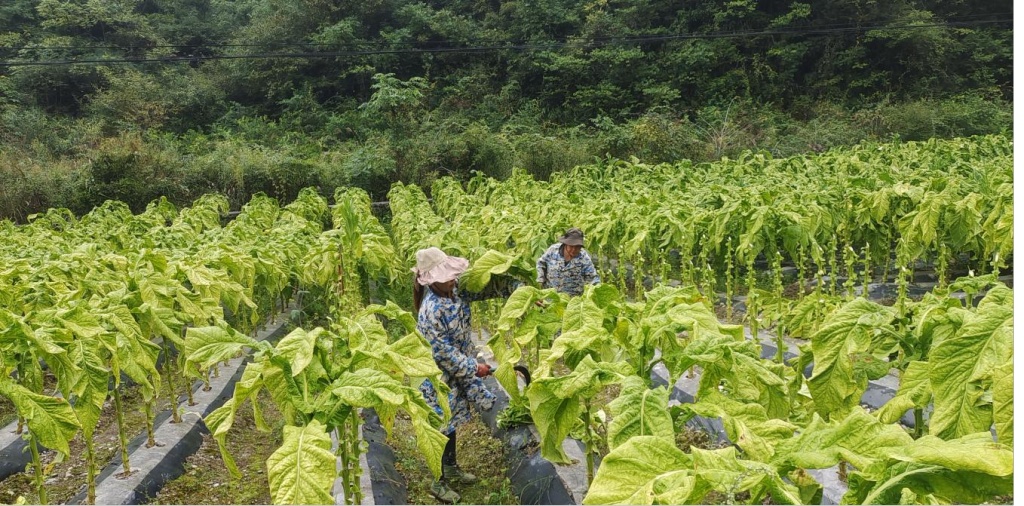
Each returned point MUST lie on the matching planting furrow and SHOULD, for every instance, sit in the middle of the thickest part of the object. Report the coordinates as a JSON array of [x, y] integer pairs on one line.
[[153, 467], [534, 479], [387, 486]]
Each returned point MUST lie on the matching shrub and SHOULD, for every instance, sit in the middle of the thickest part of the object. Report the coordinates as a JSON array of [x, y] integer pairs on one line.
[[542, 155], [132, 170]]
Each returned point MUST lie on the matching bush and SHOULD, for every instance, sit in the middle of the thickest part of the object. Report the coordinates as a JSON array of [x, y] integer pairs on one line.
[[372, 167], [27, 186], [821, 126], [542, 155], [132, 170], [960, 116]]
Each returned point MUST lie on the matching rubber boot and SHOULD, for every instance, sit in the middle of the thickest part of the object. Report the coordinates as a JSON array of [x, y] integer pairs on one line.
[[450, 471]]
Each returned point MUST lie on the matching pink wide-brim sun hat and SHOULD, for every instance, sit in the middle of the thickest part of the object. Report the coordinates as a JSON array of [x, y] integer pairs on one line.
[[435, 266]]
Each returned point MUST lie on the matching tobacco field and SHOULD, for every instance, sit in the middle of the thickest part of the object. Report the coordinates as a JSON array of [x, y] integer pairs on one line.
[[880, 260]]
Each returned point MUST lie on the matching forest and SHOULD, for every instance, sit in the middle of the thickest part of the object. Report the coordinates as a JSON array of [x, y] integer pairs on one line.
[[136, 99]]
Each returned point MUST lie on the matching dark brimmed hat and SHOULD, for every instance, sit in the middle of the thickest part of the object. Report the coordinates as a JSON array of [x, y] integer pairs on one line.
[[572, 237]]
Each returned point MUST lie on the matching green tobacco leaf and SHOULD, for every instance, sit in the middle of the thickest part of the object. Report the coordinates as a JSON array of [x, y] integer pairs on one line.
[[411, 356], [639, 411], [429, 440], [554, 417], [367, 388], [973, 452], [298, 347], [522, 304], [859, 439], [556, 402], [219, 421], [302, 470], [572, 346], [973, 285], [582, 312], [728, 474], [136, 357], [747, 424], [962, 369], [920, 227], [605, 296], [205, 346], [91, 390], [539, 327], [938, 320], [51, 419], [364, 333], [518, 304], [394, 312], [1002, 403], [748, 378], [490, 263], [646, 470], [378, 255], [275, 379], [915, 392], [835, 383], [193, 306], [83, 324], [709, 349], [160, 321], [895, 479]]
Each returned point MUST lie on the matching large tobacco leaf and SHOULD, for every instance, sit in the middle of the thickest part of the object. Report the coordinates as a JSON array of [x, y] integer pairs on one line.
[[859, 439], [1002, 403], [845, 350], [746, 424], [967, 470], [491, 263], [50, 419], [639, 411], [962, 367], [302, 471], [555, 402], [651, 470], [206, 346], [914, 392]]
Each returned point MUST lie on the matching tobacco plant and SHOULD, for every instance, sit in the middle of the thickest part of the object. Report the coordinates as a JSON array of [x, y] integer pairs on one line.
[[319, 379]]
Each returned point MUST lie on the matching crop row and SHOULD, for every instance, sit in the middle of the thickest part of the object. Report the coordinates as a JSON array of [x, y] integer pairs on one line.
[[162, 297]]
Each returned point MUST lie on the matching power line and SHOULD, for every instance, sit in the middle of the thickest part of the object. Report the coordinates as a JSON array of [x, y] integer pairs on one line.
[[969, 19], [590, 44]]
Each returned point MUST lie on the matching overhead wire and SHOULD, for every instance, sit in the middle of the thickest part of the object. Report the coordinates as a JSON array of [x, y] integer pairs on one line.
[[970, 18], [437, 48]]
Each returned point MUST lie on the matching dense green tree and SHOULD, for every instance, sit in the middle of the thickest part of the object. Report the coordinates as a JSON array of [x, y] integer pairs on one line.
[[369, 91]]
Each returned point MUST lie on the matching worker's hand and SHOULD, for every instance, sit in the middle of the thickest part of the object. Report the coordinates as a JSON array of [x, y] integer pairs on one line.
[[482, 370]]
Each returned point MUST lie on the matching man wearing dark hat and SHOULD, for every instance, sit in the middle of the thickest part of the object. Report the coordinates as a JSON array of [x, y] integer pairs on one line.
[[566, 266]]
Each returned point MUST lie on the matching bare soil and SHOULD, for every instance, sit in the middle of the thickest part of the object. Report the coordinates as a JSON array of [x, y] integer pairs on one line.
[[478, 453]]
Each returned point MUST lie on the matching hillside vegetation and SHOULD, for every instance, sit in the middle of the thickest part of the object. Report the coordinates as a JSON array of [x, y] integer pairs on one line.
[[131, 100]]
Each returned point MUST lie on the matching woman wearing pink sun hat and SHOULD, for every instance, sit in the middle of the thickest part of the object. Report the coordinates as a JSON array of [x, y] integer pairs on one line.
[[444, 320]]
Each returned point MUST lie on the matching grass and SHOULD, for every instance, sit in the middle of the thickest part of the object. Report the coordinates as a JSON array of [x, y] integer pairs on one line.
[[208, 481], [478, 453]]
